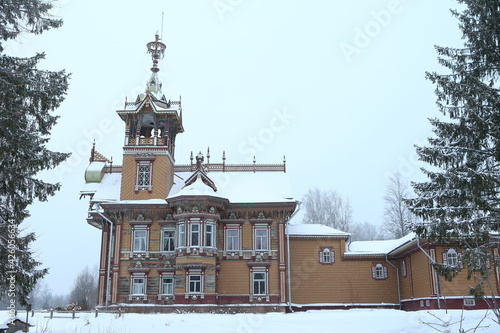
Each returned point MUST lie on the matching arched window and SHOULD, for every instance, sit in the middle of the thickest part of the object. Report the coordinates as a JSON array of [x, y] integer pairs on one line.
[[326, 256], [379, 272], [452, 257]]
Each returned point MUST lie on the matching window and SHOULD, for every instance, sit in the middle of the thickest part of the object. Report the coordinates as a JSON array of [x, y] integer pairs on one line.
[[144, 175], [326, 256], [144, 172], [138, 285], [194, 284], [259, 283], [403, 268], [140, 240], [261, 239], [209, 235], [182, 235], [379, 272], [195, 234], [451, 258], [168, 240], [167, 286], [232, 239]]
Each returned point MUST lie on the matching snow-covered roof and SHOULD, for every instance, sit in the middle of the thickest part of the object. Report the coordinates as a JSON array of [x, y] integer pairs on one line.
[[315, 230], [17, 317], [137, 202], [381, 247], [107, 190], [158, 103], [239, 187], [198, 188]]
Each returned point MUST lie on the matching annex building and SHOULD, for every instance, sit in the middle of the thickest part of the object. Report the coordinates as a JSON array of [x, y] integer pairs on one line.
[[206, 236]]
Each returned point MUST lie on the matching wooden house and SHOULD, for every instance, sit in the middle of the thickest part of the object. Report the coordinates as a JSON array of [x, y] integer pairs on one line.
[[206, 236]]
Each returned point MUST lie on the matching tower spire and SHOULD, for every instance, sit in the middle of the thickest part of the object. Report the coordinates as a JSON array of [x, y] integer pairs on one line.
[[157, 51]]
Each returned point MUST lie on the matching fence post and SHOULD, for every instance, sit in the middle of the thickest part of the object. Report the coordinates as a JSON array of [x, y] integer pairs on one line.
[[32, 312], [96, 313], [51, 313], [119, 313], [73, 314]]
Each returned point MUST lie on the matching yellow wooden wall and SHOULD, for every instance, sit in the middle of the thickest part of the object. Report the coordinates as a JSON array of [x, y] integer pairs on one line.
[[344, 281], [162, 178]]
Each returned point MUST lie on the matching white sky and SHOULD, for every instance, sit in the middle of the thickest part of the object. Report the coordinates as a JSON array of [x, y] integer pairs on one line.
[[271, 77]]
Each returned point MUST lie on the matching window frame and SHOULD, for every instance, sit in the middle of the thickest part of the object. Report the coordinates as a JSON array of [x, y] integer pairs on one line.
[[144, 167], [135, 239], [379, 272], [134, 285], [228, 244], [452, 258], [181, 239], [453, 255], [259, 284], [143, 175], [162, 285], [209, 236], [198, 283], [171, 241], [326, 253], [192, 233], [257, 239]]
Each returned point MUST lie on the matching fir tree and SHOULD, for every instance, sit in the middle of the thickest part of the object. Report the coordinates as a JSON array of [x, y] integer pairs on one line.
[[27, 98], [459, 204]]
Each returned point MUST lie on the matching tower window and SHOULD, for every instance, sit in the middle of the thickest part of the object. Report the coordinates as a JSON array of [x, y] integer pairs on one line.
[[144, 176]]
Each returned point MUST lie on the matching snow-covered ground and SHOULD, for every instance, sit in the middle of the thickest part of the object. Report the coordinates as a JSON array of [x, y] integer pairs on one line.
[[371, 320]]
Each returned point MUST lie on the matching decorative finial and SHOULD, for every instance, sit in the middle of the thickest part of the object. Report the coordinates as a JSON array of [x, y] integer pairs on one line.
[[191, 157], [92, 152], [224, 155], [199, 161], [157, 50], [208, 155]]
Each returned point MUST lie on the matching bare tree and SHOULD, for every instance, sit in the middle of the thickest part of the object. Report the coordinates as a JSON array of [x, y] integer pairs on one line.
[[84, 292], [41, 296], [366, 231], [328, 208], [397, 215]]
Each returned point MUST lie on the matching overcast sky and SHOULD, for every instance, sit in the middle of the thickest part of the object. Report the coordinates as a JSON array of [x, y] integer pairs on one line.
[[337, 86]]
